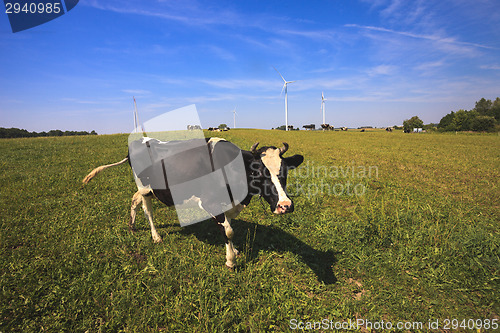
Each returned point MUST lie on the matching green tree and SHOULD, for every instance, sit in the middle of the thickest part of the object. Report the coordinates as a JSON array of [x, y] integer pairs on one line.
[[463, 120], [483, 123], [222, 126], [56, 133], [483, 107], [484, 117], [430, 127], [495, 109], [446, 122], [413, 122]]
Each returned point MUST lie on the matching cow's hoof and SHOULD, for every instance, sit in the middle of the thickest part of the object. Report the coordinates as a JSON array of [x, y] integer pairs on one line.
[[236, 253], [157, 239], [231, 268], [131, 228]]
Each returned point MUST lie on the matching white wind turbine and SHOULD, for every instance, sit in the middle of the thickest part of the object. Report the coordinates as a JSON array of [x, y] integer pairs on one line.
[[286, 97], [136, 117], [234, 118], [323, 99]]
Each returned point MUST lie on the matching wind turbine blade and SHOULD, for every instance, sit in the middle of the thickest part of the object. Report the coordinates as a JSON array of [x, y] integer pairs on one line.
[[279, 74], [291, 81], [282, 89]]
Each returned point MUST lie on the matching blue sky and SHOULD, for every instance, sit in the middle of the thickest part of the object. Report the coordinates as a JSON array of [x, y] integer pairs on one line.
[[378, 62]]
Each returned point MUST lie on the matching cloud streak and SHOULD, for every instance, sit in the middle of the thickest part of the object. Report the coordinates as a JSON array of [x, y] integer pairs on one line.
[[433, 38]]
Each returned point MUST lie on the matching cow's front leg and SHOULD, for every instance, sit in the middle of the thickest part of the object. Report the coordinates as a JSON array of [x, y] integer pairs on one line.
[[230, 233], [227, 232], [147, 205]]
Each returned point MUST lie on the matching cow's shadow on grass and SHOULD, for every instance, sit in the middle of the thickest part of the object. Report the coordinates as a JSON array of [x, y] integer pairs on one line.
[[251, 238]]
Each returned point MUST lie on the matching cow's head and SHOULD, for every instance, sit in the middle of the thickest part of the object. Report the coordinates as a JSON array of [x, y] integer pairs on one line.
[[267, 173]]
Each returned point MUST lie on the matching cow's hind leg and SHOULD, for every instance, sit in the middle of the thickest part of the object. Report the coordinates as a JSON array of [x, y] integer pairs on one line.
[[143, 196], [136, 200]]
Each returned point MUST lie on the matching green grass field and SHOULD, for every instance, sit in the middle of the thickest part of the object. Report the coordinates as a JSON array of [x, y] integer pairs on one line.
[[410, 235]]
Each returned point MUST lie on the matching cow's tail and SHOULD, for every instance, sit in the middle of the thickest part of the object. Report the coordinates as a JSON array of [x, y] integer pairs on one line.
[[94, 172]]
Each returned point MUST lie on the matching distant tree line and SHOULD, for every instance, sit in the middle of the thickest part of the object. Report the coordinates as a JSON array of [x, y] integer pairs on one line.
[[22, 133], [483, 118]]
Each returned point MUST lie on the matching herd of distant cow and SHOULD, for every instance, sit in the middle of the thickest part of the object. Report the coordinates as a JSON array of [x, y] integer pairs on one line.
[[328, 127], [310, 127]]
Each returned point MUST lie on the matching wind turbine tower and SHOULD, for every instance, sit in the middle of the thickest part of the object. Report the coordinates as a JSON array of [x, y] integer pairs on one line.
[[136, 116], [285, 84], [323, 99], [234, 118]]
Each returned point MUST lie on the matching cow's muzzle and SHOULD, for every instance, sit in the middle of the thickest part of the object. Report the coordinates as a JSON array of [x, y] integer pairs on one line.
[[285, 206]]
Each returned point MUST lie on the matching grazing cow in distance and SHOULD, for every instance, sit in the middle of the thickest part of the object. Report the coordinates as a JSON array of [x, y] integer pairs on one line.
[[310, 127], [388, 129], [327, 127], [265, 174]]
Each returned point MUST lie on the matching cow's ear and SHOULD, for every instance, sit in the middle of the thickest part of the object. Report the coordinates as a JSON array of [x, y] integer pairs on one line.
[[293, 161]]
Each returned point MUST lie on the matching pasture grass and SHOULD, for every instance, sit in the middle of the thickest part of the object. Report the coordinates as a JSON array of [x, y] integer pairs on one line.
[[416, 239]]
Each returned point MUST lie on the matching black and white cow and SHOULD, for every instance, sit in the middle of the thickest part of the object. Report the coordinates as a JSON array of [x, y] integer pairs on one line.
[[265, 170]]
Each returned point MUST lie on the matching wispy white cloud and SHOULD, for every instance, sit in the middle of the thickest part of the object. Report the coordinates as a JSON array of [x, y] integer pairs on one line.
[[429, 68], [80, 101], [317, 34], [430, 65], [136, 92], [221, 53], [323, 70], [493, 67], [381, 70], [326, 83], [433, 38], [239, 83], [187, 13]]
